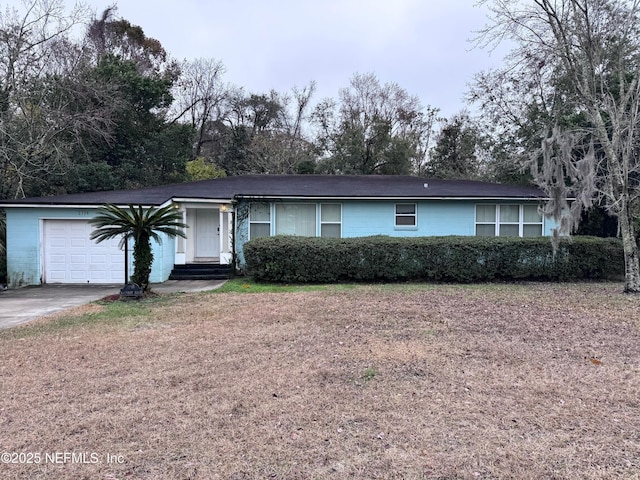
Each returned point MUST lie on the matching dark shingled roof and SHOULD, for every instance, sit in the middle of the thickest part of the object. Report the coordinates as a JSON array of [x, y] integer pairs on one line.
[[296, 186]]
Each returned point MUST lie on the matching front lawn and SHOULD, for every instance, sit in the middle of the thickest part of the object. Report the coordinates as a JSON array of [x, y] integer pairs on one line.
[[526, 381]]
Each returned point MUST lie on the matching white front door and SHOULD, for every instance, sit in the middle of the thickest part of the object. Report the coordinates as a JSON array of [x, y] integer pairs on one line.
[[207, 235]]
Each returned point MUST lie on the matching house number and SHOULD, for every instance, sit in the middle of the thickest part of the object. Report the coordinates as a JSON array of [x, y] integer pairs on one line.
[[83, 212]]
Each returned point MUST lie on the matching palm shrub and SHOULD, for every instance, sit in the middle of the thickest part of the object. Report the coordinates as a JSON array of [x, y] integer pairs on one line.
[[141, 225]]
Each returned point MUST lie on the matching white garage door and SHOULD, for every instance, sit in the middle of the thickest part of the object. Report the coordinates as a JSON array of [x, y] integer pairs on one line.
[[70, 256]]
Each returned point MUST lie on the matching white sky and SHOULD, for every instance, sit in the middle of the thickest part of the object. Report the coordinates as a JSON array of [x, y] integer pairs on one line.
[[423, 45]]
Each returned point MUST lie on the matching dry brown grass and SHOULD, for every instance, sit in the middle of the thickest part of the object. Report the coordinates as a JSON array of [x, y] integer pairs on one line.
[[532, 381]]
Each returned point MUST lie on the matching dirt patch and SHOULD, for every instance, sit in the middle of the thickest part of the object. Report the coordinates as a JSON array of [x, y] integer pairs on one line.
[[447, 382]]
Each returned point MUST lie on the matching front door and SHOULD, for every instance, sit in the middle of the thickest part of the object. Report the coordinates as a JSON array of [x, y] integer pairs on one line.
[[207, 239]]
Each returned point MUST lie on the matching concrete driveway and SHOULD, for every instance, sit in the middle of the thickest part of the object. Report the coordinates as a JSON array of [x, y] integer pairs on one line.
[[25, 304]]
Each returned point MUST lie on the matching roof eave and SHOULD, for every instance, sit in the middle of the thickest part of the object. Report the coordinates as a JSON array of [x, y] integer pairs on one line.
[[390, 197], [74, 205]]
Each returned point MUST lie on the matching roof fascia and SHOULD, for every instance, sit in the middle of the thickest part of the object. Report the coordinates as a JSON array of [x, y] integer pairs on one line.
[[201, 200], [68, 205], [415, 198]]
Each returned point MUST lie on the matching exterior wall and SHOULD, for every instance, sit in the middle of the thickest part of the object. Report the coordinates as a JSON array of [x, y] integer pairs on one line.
[[240, 232], [359, 218], [25, 249], [549, 225], [163, 259], [362, 218]]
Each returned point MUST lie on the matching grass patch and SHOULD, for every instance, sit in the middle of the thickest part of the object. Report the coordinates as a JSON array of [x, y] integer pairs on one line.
[[248, 285], [369, 373]]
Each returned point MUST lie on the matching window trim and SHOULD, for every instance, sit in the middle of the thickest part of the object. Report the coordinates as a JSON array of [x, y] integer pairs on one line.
[[413, 215], [497, 223], [260, 222], [321, 223], [524, 224]]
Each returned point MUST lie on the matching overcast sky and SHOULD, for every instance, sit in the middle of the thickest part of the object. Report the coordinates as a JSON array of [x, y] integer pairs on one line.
[[423, 45]]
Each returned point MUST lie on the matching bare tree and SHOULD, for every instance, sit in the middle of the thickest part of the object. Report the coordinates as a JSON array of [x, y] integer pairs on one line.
[[47, 101], [201, 98], [266, 133], [587, 53]]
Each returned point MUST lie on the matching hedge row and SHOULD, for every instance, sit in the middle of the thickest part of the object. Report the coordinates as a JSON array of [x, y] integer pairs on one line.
[[288, 259]]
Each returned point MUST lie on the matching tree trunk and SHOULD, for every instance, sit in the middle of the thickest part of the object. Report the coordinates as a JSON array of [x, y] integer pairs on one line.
[[143, 258], [630, 247]]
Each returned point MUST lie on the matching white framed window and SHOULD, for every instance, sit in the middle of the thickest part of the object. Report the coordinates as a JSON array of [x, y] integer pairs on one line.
[[259, 220], [486, 220], [406, 215], [532, 222], [300, 219], [508, 221], [331, 220]]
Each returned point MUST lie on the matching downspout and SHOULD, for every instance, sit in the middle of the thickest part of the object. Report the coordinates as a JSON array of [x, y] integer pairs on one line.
[[234, 257]]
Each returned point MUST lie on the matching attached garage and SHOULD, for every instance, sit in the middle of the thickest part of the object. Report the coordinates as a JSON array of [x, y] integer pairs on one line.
[[70, 256]]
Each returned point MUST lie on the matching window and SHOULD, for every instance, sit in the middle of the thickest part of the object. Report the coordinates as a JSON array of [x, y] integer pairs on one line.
[[406, 215], [259, 220], [300, 219], [485, 220], [531, 221], [508, 221], [509, 216], [296, 219], [330, 220]]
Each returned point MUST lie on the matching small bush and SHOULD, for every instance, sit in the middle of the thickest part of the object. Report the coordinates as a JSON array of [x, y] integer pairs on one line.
[[3, 270], [288, 259]]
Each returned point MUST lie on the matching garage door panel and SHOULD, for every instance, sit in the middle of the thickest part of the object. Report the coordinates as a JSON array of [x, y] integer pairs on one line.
[[70, 256], [98, 259], [78, 259], [79, 276], [58, 242], [78, 242], [57, 277]]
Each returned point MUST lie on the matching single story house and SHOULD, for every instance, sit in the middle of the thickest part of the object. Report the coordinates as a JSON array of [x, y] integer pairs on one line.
[[48, 237]]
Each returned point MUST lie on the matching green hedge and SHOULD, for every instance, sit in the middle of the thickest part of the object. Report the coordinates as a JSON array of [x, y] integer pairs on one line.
[[287, 259]]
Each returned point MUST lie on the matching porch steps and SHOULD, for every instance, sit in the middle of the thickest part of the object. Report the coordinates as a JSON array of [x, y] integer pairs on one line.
[[201, 271]]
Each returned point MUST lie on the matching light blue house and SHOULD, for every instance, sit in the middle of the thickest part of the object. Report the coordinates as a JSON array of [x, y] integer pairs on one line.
[[48, 237]]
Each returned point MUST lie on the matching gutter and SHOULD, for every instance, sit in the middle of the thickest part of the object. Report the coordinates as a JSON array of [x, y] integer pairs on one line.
[[414, 198], [123, 205], [69, 206]]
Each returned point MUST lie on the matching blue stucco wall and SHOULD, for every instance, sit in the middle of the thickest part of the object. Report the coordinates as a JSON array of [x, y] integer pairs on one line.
[[24, 245], [365, 218], [361, 218], [163, 259]]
